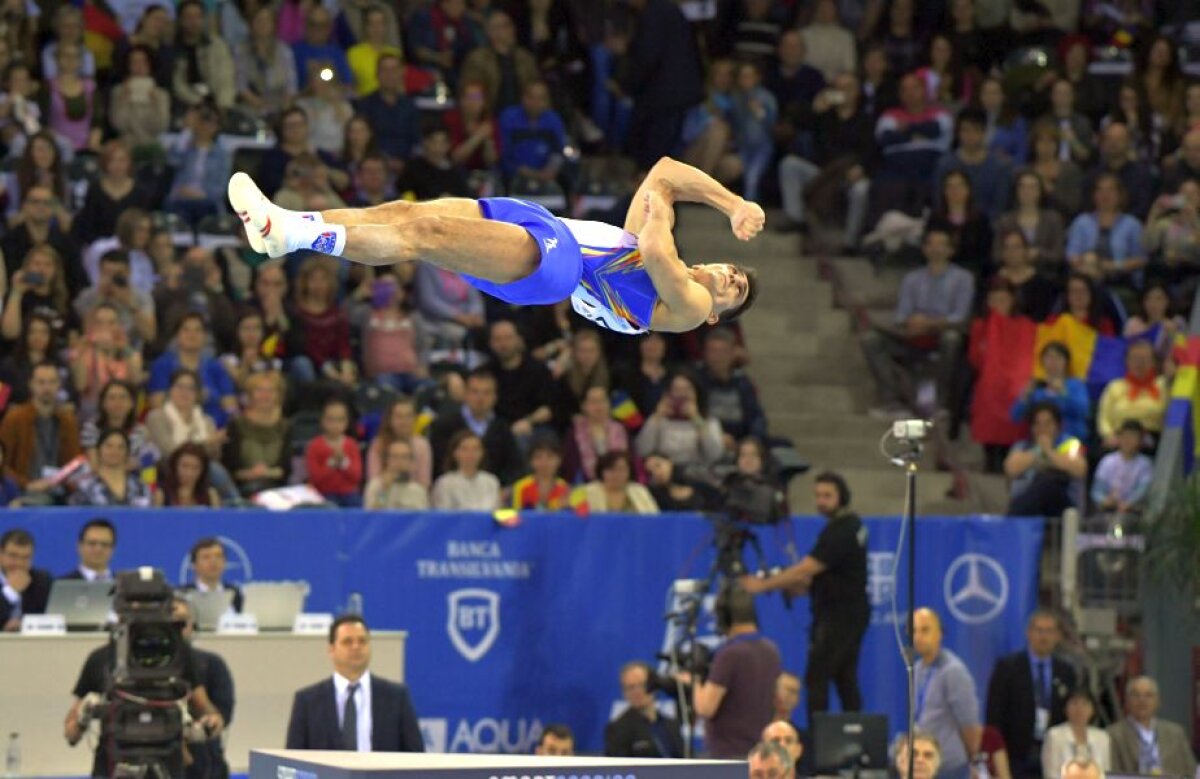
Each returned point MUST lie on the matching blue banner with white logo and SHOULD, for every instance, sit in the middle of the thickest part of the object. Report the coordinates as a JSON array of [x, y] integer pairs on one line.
[[511, 628]]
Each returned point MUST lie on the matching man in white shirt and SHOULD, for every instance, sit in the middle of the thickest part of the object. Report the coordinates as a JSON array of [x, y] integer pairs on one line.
[[97, 541], [208, 564], [353, 710]]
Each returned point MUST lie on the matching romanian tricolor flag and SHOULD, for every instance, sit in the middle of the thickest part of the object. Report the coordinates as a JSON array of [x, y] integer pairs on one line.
[[1096, 359], [625, 411], [1010, 360], [1185, 394]]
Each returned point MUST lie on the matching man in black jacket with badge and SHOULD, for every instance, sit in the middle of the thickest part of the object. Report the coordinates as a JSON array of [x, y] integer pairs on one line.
[[834, 573], [642, 731], [1027, 694]]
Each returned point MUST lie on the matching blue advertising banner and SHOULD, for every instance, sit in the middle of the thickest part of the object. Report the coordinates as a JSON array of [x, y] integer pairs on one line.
[[511, 628]]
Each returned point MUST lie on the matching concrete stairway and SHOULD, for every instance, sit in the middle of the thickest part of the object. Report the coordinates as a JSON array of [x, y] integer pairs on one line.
[[810, 372]]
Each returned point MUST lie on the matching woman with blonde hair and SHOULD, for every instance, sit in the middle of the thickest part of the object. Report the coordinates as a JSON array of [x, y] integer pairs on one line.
[[257, 452], [39, 286], [324, 327]]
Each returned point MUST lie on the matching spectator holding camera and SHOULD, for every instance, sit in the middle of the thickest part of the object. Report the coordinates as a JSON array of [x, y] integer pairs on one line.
[[39, 287], [1172, 237], [114, 287], [680, 428], [394, 487], [642, 730], [132, 236], [40, 225]]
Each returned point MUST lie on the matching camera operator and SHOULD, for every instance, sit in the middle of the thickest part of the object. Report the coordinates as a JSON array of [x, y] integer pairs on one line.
[[642, 731], [737, 698], [203, 763], [835, 573]]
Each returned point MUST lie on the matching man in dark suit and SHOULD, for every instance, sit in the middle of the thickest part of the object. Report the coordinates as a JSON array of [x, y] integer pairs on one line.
[[23, 588], [478, 414], [97, 540], [664, 77], [353, 710], [208, 564], [642, 731], [1028, 694]]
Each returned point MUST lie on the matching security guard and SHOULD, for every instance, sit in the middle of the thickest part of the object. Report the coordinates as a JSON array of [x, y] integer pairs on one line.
[[834, 573]]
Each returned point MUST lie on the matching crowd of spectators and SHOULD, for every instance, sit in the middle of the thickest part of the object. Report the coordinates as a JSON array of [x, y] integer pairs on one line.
[[1045, 183], [150, 358]]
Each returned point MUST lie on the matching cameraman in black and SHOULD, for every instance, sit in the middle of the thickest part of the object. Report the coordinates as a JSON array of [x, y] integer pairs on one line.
[[207, 760], [835, 574]]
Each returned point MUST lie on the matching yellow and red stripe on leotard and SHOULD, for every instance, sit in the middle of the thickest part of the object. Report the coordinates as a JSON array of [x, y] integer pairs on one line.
[[607, 270]]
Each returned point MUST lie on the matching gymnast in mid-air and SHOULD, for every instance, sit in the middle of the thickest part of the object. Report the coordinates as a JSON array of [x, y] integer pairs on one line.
[[629, 280]]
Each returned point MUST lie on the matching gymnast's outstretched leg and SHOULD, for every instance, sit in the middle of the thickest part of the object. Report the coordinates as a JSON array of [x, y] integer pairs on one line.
[[452, 234]]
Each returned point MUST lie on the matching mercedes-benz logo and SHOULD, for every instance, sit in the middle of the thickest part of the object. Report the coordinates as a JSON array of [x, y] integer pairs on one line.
[[976, 588]]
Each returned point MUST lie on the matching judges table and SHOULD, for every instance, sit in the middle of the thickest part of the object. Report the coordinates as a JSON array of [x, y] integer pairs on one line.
[[272, 764], [40, 672]]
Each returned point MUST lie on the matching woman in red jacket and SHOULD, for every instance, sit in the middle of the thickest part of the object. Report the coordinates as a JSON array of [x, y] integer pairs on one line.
[[995, 385]]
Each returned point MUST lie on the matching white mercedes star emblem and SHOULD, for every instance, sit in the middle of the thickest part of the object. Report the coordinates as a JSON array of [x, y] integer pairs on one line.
[[976, 588]]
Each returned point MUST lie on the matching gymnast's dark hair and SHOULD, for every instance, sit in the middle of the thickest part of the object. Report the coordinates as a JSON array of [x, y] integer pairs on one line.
[[751, 295]]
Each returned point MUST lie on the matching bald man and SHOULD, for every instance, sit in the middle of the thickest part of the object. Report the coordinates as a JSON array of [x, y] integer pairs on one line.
[[784, 735], [947, 705]]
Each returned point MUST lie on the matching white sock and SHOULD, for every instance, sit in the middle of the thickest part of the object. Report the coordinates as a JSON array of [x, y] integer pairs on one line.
[[317, 236]]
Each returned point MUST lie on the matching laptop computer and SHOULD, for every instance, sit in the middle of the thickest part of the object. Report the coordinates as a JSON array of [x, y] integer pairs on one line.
[[209, 607], [84, 605], [274, 604]]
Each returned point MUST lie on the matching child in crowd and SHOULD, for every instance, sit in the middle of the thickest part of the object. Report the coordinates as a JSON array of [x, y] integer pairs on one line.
[[333, 458], [542, 488], [394, 487], [1123, 476]]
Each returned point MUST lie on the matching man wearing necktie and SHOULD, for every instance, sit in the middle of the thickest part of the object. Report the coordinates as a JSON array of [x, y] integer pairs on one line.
[[353, 710], [1027, 694], [97, 540], [1144, 744]]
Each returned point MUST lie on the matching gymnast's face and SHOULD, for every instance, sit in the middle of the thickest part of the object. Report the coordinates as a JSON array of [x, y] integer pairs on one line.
[[725, 282]]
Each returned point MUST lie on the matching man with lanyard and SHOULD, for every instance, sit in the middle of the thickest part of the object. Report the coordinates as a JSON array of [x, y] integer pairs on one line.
[[1027, 694], [835, 573], [737, 698], [1144, 744], [946, 706]]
